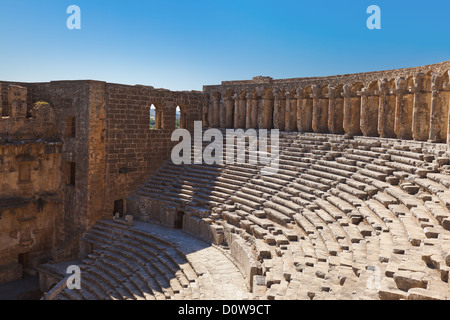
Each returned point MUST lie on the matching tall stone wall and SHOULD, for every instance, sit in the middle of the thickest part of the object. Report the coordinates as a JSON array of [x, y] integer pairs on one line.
[[410, 103], [134, 150]]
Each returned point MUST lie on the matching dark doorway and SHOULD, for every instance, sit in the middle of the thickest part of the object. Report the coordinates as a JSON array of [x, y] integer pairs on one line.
[[72, 173], [23, 260], [178, 223], [118, 207]]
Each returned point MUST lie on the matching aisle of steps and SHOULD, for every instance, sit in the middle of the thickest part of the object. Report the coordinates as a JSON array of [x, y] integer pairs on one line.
[[150, 262], [343, 218]]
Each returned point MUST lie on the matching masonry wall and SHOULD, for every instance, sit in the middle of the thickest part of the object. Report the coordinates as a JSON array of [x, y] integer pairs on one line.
[[133, 150], [30, 203], [44, 114], [105, 149]]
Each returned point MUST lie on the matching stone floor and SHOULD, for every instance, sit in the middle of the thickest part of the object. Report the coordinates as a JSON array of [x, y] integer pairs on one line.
[[23, 289]]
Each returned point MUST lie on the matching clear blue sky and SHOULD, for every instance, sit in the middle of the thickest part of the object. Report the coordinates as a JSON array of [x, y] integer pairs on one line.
[[185, 44]]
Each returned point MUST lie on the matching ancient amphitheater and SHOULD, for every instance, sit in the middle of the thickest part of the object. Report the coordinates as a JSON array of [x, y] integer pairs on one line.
[[359, 207]]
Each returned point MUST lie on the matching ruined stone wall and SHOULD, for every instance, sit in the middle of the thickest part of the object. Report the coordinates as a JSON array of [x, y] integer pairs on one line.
[[105, 149], [406, 104], [22, 120], [30, 205], [56, 111], [134, 150]]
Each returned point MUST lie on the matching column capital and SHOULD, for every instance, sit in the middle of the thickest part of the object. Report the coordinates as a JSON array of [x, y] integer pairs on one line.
[[366, 92], [315, 92], [259, 91], [289, 95], [383, 85], [331, 92], [276, 93], [400, 86], [446, 86], [347, 91], [418, 83], [300, 93]]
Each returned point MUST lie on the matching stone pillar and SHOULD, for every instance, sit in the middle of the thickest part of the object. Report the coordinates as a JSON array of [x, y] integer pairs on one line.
[[335, 111], [17, 100], [352, 111], [256, 105], [446, 87], [403, 110], [320, 111], [216, 112], [267, 112], [291, 112], [421, 108], [248, 111], [439, 110], [304, 111], [279, 110], [386, 113], [236, 111], [240, 111], [229, 112], [369, 112]]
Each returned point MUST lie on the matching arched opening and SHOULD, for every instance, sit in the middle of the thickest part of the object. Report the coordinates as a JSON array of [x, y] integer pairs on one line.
[[227, 110], [178, 222], [23, 261], [156, 117], [119, 208], [180, 118]]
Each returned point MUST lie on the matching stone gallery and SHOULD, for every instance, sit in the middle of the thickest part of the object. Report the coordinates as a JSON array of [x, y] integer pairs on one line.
[[359, 207]]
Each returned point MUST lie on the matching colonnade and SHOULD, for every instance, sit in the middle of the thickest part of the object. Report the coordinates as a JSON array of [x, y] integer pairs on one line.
[[414, 107]]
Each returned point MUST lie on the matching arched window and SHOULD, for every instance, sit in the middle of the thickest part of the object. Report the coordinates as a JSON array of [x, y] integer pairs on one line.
[[180, 118], [152, 117], [156, 117]]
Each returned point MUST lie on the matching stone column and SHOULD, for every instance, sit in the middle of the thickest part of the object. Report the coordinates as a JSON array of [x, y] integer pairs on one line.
[[421, 108], [240, 111], [386, 114], [279, 110], [446, 87], [216, 112], [304, 111], [369, 112], [403, 110], [248, 112], [236, 111], [229, 112], [256, 106], [320, 111], [267, 112], [439, 110], [335, 111], [352, 111], [291, 112], [223, 114]]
